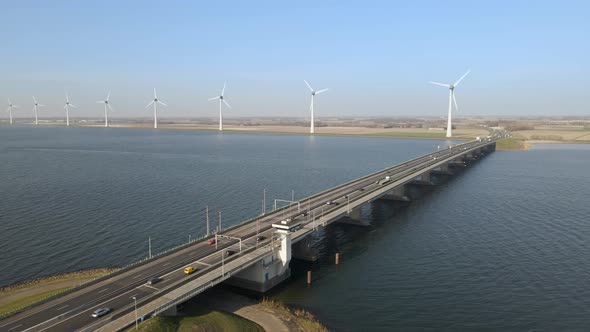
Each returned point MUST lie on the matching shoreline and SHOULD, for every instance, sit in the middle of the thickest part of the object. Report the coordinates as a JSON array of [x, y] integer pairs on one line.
[[271, 315]]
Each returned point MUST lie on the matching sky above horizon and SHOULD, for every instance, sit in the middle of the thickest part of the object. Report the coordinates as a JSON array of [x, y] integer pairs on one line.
[[526, 58]]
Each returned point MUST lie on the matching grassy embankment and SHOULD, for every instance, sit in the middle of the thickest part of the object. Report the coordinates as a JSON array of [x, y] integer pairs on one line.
[[511, 144], [197, 318], [22, 295], [306, 321]]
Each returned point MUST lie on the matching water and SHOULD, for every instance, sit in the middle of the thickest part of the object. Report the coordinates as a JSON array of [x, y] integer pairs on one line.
[[501, 246], [75, 198]]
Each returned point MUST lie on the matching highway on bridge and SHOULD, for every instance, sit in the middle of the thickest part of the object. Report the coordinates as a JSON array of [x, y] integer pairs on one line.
[[73, 310]]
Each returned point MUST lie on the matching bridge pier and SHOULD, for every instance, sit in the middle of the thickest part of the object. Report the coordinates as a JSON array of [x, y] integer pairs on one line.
[[355, 217], [170, 312], [422, 180], [303, 250], [441, 170], [396, 194], [268, 272]]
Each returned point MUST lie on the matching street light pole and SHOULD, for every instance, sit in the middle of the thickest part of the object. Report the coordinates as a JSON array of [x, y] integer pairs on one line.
[[219, 228], [347, 204], [150, 247], [135, 305]]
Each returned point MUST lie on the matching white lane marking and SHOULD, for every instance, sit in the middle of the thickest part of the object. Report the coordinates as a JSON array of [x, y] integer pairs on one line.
[[199, 262], [103, 290], [62, 307], [14, 327], [95, 306], [148, 286], [132, 296], [166, 264], [137, 276]]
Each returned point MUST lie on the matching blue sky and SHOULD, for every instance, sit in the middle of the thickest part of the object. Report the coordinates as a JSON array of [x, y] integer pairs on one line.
[[526, 57]]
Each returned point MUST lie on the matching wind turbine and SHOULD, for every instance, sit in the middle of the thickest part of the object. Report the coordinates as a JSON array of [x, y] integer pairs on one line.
[[67, 107], [452, 101], [36, 109], [106, 111], [221, 99], [9, 109], [156, 101], [313, 93]]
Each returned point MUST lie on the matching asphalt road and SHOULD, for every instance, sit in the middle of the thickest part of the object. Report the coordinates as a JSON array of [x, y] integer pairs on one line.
[[73, 311]]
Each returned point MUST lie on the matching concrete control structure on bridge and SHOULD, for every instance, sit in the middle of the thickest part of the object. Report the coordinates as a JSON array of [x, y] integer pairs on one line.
[[254, 254]]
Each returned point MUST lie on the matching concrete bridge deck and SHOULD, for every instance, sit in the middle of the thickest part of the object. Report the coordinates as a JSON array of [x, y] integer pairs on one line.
[[213, 263]]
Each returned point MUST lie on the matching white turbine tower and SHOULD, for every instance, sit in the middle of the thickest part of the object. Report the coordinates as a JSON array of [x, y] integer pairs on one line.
[[313, 93], [452, 101], [107, 107], [156, 101], [221, 100], [67, 107], [9, 109], [36, 109]]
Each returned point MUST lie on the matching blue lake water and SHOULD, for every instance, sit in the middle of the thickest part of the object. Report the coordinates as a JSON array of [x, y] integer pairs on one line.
[[501, 246]]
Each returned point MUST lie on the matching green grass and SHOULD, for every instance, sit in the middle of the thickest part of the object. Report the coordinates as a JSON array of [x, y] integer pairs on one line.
[[407, 135], [511, 144], [306, 321], [199, 319], [28, 300]]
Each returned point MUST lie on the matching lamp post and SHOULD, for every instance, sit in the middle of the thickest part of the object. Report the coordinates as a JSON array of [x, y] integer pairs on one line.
[[347, 204], [135, 305]]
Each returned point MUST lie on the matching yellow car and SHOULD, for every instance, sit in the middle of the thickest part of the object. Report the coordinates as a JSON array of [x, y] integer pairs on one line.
[[189, 270]]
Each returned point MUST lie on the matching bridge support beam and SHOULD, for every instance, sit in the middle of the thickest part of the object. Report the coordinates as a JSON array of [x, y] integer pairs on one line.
[[441, 170], [170, 312], [355, 217], [396, 194], [422, 180]]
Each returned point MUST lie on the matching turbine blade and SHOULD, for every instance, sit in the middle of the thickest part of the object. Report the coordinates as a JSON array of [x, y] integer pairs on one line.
[[318, 92], [155, 95], [214, 98], [150, 104], [455, 102], [40, 105], [309, 86], [109, 106], [225, 102], [445, 85], [223, 90], [162, 103], [462, 77], [9, 103], [34, 100], [74, 106], [108, 96], [100, 102]]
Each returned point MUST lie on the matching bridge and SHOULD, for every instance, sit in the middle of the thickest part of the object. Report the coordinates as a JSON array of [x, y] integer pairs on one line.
[[254, 254]]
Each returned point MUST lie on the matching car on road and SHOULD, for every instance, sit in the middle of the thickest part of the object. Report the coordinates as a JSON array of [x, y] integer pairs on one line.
[[212, 241], [229, 253], [189, 270], [100, 312], [260, 238], [154, 280], [331, 203]]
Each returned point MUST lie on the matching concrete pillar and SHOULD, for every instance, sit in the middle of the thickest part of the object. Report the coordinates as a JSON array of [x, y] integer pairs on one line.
[[285, 251], [441, 170], [422, 180], [355, 217], [396, 194], [170, 312]]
